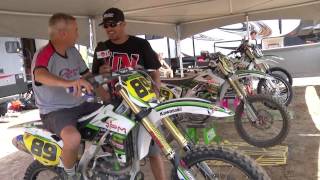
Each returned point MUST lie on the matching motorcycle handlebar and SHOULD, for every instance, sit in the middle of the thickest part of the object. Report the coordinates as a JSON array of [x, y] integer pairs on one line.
[[89, 97], [102, 79]]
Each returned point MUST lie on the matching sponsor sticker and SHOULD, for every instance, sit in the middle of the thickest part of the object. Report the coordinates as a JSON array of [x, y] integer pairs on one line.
[[103, 54], [170, 111]]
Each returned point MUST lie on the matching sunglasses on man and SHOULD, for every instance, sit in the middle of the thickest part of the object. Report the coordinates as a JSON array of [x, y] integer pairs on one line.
[[111, 24]]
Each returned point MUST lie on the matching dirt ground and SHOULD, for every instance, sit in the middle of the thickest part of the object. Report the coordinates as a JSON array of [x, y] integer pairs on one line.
[[303, 142]]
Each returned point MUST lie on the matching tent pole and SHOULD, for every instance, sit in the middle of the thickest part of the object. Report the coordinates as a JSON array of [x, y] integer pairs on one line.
[[168, 45], [179, 49], [193, 47], [248, 33], [93, 33], [280, 26]]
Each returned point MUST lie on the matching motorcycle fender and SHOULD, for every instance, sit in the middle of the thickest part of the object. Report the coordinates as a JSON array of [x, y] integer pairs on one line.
[[251, 74], [144, 140], [144, 137], [267, 61], [191, 105]]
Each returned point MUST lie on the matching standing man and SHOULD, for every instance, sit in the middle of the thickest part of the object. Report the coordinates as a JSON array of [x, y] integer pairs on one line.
[[121, 51], [165, 68], [253, 35], [55, 67]]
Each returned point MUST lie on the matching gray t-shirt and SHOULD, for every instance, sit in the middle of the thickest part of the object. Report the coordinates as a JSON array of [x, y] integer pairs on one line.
[[71, 67]]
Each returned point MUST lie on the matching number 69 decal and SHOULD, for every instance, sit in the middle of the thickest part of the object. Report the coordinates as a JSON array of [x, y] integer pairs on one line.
[[44, 151], [141, 88], [166, 93]]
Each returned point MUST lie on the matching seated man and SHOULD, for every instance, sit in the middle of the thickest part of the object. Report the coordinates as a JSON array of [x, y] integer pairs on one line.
[[55, 67]]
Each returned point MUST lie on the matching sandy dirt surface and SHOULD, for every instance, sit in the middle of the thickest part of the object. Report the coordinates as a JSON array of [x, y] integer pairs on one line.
[[303, 142]]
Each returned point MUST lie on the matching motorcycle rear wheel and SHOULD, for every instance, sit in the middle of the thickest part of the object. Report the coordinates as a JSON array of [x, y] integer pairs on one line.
[[285, 95], [283, 72], [35, 170]]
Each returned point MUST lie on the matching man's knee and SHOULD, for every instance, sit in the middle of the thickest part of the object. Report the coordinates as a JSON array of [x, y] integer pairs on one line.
[[155, 157], [70, 137]]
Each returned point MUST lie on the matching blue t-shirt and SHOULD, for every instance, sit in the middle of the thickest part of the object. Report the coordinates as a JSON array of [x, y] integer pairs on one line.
[[70, 67]]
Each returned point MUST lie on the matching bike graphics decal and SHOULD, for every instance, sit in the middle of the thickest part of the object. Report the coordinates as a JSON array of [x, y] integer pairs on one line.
[[116, 127], [196, 106], [171, 111], [243, 73], [45, 151], [140, 88], [115, 122], [166, 93]]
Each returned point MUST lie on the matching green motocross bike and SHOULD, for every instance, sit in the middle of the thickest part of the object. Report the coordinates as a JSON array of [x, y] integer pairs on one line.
[[260, 119], [119, 137]]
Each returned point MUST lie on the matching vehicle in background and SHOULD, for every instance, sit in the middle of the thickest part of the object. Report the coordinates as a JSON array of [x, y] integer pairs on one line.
[[13, 81]]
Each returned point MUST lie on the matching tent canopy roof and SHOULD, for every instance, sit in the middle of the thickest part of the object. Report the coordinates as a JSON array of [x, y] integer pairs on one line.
[[29, 19]]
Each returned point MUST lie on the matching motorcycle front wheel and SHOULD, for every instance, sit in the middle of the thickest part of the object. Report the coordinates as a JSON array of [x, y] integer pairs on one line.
[[223, 163], [271, 125]]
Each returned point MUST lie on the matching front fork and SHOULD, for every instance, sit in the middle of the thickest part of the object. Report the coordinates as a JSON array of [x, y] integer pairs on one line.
[[187, 146], [160, 140], [243, 96]]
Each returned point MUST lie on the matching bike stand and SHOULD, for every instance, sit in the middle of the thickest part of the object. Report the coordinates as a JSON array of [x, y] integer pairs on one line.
[[206, 130]]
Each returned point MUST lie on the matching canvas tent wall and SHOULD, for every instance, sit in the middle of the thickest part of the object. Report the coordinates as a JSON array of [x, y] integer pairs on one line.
[[177, 19], [29, 19]]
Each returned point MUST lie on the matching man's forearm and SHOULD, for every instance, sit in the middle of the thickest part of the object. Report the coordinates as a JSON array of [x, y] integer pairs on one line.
[[156, 78], [44, 77], [88, 74]]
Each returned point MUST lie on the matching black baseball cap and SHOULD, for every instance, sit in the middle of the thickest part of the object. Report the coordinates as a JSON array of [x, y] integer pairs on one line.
[[112, 15]]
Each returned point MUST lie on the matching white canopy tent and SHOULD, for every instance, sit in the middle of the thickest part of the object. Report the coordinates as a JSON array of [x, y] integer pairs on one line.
[[29, 18], [177, 19]]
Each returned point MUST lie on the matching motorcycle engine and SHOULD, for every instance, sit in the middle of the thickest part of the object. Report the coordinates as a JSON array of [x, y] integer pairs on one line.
[[115, 158]]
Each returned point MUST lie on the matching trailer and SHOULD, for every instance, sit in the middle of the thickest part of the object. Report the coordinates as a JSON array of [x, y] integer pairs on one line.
[[13, 81]]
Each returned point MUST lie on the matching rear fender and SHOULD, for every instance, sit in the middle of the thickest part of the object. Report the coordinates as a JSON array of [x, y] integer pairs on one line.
[[43, 146]]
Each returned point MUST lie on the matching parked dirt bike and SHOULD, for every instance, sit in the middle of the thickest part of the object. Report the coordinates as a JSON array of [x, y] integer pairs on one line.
[[251, 57], [260, 112], [261, 62], [120, 137]]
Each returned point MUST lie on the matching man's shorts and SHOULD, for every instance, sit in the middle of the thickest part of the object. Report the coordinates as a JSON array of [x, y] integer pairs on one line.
[[55, 121]]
